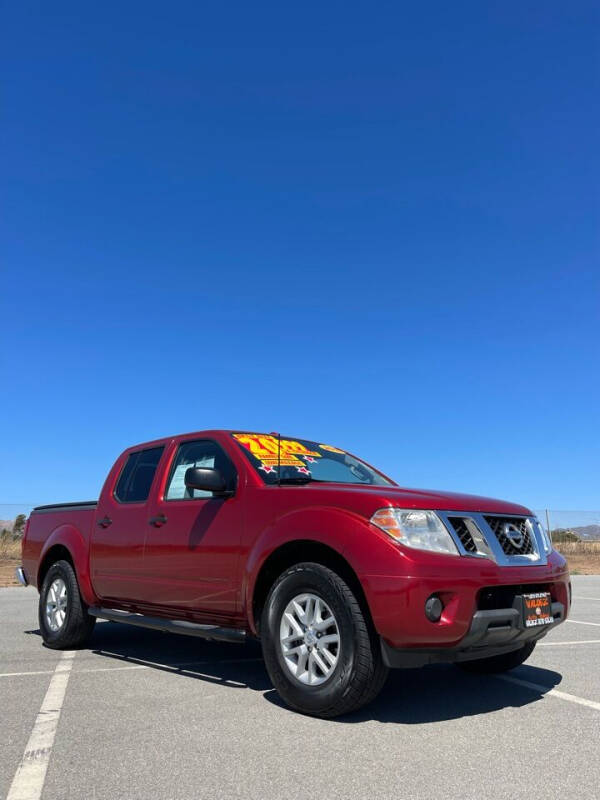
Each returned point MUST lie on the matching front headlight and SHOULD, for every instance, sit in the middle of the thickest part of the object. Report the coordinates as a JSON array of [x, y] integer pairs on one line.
[[422, 530]]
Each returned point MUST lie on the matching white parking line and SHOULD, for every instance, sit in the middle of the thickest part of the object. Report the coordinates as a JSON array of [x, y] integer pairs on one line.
[[537, 687], [586, 598], [18, 674], [580, 622], [31, 772], [143, 665], [559, 644]]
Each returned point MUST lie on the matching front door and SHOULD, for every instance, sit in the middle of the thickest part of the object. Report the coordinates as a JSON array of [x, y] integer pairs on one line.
[[192, 543]]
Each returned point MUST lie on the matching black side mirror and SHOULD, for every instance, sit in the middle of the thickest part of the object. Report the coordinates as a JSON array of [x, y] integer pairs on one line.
[[208, 480]]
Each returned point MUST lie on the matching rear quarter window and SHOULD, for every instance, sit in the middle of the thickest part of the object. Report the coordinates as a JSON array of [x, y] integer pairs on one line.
[[137, 475]]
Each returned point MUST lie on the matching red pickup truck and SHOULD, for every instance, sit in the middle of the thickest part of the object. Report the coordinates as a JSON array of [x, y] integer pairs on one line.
[[339, 571]]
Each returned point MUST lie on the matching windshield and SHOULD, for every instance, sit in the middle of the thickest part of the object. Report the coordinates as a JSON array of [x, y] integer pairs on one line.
[[303, 461]]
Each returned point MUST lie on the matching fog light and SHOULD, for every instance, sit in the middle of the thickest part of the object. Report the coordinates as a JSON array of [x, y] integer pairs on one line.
[[433, 608]]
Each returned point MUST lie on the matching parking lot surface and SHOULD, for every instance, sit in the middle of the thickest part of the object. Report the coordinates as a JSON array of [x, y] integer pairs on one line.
[[141, 714]]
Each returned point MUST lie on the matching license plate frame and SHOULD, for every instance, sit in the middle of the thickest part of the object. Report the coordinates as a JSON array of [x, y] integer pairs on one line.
[[537, 609]]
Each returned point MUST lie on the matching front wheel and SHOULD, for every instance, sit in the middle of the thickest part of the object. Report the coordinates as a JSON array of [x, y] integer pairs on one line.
[[63, 617], [321, 653], [500, 663]]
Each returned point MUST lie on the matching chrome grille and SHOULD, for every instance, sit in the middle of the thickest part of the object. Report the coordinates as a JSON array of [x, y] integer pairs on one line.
[[463, 533], [507, 540], [513, 534]]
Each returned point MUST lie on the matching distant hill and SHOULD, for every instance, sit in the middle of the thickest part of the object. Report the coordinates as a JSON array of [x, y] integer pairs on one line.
[[587, 531], [6, 523]]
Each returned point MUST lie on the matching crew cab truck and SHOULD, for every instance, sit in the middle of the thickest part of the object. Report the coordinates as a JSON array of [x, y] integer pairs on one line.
[[339, 572]]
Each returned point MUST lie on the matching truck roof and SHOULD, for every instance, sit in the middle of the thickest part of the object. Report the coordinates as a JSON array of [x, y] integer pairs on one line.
[[213, 432]]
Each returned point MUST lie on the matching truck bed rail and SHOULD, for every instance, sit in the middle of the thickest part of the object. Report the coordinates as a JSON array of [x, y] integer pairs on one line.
[[81, 506]]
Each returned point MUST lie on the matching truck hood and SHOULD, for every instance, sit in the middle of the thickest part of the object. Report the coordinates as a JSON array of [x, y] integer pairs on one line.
[[368, 498]]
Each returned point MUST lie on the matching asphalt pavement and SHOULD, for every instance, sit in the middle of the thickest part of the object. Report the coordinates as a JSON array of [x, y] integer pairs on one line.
[[141, 714]]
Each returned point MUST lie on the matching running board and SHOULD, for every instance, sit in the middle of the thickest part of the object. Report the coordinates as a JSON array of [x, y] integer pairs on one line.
[[170, 625]]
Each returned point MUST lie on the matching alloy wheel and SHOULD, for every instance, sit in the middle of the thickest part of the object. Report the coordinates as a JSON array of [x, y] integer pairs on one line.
[[56, 604], [309, 638]]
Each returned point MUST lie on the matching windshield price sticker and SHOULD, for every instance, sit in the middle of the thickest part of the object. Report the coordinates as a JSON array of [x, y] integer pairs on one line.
[[266, 449]]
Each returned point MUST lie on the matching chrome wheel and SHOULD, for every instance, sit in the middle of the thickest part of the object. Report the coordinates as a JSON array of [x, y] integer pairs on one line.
[[56, 604], [309, 638]]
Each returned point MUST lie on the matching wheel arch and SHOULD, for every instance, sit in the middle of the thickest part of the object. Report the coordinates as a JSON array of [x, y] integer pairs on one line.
[[295, 552], [58, 552], [66, 542]]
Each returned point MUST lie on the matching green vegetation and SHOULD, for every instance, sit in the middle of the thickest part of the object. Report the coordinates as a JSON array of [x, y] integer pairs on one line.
[[563, 535], [10, 538]]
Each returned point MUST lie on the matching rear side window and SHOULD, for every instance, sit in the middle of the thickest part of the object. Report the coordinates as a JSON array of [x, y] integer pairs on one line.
[[137, 476]]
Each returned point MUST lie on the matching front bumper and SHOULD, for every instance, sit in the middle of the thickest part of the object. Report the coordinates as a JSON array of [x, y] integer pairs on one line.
[[492, 632], [397, 602]]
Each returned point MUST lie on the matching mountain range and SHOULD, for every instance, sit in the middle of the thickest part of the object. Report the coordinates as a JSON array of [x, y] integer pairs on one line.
[[587, 532]]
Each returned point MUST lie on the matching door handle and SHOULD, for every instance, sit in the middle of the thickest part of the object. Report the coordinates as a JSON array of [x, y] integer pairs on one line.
[[157, 521], [105, 522]]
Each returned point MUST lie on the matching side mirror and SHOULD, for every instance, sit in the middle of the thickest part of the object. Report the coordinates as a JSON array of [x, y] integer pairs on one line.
[[208, 480]]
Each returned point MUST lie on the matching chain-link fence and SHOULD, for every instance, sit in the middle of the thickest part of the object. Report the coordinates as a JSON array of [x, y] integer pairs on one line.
[[574, 533], [12, 522], [8, 511], [584, 524]]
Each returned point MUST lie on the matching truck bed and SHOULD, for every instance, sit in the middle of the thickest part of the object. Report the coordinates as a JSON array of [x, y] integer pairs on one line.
[[45, 520]]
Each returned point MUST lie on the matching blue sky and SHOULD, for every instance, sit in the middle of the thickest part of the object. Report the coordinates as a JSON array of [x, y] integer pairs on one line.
[[371, 224]]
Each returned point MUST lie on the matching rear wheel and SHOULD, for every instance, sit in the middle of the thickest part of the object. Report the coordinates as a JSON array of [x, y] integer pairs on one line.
[[500, 663], [64, 621], [320, 651]]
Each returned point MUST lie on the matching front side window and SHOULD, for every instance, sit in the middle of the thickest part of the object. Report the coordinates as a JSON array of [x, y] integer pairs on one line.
[[302, 461], [137, 475], [203, 453]]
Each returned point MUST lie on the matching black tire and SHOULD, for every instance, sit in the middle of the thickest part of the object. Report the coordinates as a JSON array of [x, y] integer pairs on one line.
[[78, 625], [502, 663], [359, 674]]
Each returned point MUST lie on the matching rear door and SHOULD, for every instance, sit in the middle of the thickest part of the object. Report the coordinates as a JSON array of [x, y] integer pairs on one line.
[[117, 541], [192, 544]]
